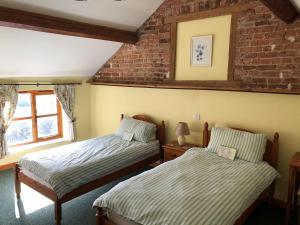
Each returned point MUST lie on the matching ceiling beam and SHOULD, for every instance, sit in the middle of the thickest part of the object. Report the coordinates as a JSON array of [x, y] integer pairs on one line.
[[283, 9], [33, 21]]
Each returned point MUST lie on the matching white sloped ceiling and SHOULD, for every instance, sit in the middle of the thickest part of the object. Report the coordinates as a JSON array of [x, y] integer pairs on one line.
[[25, 53]]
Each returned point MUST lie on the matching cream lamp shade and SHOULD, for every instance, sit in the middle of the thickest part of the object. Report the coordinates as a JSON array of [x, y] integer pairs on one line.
[[182, 129]]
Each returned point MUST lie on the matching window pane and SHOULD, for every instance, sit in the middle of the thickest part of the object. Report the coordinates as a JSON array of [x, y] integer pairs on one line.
[[47, 126], [19, 132], [24, 106], [46, 104]]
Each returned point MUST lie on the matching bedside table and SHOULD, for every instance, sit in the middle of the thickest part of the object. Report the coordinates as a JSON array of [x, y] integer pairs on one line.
[[294, 174], [173, 150]]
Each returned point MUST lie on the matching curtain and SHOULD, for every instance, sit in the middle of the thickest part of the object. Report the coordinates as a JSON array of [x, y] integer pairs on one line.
[[8, 105], [66, 95]]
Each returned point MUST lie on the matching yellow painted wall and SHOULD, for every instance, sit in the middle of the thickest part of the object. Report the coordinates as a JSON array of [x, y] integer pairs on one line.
[[98, 110], [266, 113], [220, 28], [82, 112]]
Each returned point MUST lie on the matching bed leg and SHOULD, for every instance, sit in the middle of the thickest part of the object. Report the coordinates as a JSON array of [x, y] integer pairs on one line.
[[57, 212], [17, 181], [272, 191], [99, 217]]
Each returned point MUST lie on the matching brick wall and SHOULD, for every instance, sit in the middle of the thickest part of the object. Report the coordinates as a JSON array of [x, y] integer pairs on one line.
[[267, 49]]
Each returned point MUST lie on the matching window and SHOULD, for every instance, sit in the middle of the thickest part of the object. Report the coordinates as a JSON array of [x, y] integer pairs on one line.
[[38, 117]]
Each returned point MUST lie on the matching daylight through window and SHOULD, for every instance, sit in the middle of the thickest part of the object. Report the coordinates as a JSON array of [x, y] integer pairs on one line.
[[37, 118]]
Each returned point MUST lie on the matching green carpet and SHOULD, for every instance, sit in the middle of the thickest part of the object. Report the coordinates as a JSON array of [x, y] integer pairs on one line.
[[35, 209]]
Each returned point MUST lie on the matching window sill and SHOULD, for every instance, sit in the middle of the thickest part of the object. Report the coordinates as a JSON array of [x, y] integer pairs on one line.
[[39, 145]]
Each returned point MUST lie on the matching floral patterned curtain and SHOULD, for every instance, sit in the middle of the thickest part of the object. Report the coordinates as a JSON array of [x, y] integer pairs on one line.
[[8, 105], [66, 95]]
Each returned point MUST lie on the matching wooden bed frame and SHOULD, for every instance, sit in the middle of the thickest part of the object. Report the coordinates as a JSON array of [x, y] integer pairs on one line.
[[270, 156], [50, 193]]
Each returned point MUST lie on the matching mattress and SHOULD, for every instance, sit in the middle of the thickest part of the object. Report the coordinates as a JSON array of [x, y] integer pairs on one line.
[[70, 166], [197, 188]]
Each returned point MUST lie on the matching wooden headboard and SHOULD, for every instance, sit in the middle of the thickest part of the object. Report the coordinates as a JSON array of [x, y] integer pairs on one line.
[[271, 152], [160, 129]]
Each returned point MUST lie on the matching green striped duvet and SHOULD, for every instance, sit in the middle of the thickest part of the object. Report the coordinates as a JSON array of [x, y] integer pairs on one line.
[[67, 167], [198, 188]]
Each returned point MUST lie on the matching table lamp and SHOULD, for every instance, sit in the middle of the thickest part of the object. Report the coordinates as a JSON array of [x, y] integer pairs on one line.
[[181, 130]]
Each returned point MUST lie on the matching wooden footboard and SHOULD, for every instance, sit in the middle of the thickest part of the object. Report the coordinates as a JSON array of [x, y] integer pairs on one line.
[[44, 190], [101, 219]]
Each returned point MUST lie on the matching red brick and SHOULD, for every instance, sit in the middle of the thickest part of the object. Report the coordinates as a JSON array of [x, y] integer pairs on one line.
[[255, 63]]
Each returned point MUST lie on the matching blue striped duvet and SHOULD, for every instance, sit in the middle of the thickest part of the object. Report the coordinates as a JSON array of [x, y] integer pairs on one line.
[[67, 167]]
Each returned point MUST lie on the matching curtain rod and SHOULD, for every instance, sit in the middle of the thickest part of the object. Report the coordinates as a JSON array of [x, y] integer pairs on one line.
[[43, 83]]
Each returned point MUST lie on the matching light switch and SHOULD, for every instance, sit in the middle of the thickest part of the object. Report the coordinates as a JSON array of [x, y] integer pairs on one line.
[[196, 116]]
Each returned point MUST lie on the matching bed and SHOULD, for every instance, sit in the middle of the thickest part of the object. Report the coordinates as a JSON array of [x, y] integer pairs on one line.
[[193, 189], [64, 173]]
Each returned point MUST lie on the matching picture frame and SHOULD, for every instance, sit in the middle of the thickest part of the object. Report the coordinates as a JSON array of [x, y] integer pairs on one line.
[[201, 50]]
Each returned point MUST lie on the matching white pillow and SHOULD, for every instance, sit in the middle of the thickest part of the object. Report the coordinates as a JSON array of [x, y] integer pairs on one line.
[[249, 146], [142, 131]]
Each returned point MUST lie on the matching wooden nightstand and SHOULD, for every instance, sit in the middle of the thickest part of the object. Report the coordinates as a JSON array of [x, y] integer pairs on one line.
[[294, 172], [173, 150]]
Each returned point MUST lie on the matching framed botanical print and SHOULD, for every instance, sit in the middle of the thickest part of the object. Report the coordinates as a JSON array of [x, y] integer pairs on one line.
[[201, 50]]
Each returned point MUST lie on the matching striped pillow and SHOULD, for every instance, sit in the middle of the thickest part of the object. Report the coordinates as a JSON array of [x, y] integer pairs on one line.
[[142, 131], [249, 146]]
